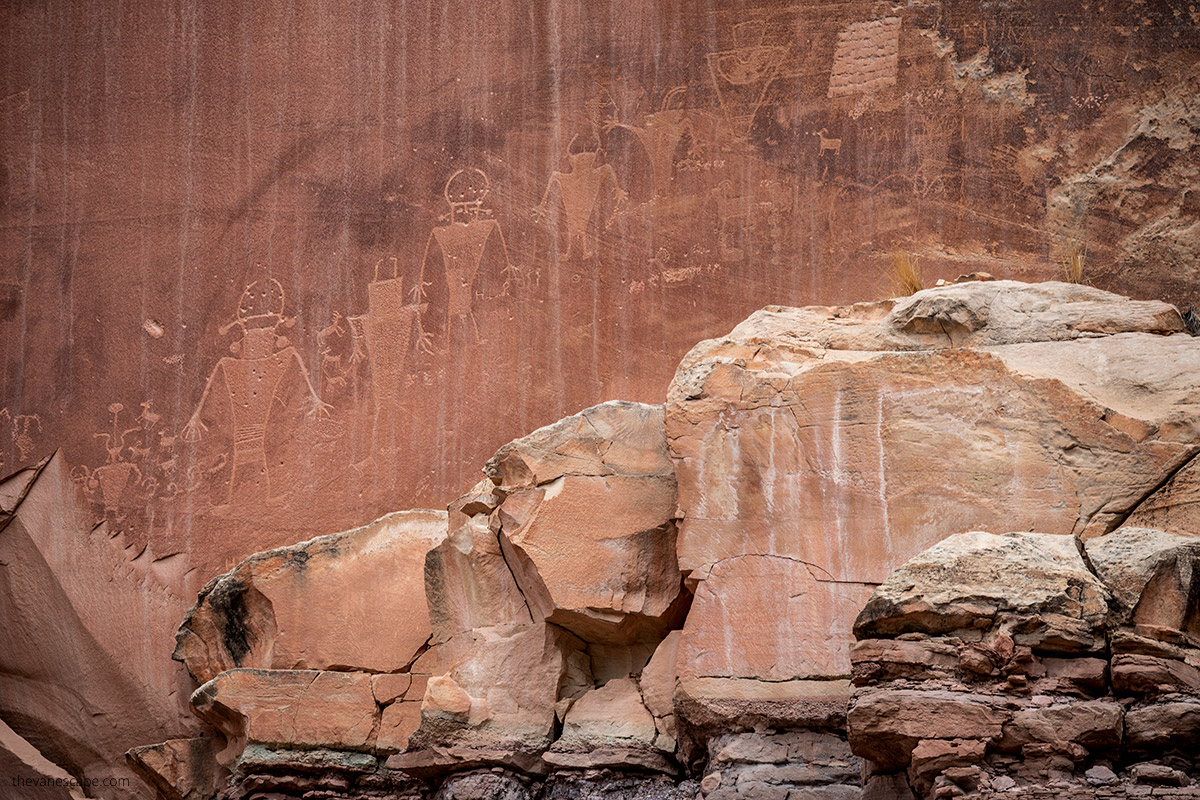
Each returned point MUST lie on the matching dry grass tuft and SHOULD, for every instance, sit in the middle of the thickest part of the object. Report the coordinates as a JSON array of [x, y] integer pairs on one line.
[[904, 276], [1072, 262]]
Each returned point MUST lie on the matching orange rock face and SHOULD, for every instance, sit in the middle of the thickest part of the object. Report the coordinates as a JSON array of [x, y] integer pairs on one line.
[[352, 600]]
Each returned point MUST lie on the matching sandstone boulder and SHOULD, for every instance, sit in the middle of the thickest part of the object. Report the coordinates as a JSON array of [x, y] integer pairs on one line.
[[179, 769], [609, 727], [1154, 577], [281, 709], [587, 523], [1036, 585], [352, 600], [852, 438]]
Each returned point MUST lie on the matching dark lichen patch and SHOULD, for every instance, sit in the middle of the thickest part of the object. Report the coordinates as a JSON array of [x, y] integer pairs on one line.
[[228, 599]]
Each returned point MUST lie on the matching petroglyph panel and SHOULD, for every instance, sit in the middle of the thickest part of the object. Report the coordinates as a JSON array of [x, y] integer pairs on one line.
[[866, 58], [326, 276]]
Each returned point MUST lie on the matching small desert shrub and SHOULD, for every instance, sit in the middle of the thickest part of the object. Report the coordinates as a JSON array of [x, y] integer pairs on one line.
[[904, 274], [1072, 262]]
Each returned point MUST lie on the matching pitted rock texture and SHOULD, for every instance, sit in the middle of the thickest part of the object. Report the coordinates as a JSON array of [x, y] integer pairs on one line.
[[850, 439], [990, 665]]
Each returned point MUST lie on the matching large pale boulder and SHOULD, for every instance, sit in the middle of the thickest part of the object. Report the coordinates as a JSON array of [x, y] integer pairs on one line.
[[351, 600], [1035, 584], [84, 624], [1154, 577], [851, 439]]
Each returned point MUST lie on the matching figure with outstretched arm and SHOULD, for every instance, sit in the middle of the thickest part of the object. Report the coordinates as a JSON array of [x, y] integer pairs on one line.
[[253, 376]]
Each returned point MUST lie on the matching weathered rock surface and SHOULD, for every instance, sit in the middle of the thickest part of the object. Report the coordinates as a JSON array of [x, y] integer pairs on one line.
[[278, 709], [850, 439], [1018, 663], [1035, 585], [82, 677], [180, 769], [352, 600], [559, 577]]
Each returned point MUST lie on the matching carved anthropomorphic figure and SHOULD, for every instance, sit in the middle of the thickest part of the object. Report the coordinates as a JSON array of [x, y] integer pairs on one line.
[[579, 191], [253, 378]]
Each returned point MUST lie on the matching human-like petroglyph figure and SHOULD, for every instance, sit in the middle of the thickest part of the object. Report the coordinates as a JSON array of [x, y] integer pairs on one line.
[[742, 75], [253, 377], [579, 191], [385, 335], [106, 484], [660, 135], [23, 427], [463, 244]]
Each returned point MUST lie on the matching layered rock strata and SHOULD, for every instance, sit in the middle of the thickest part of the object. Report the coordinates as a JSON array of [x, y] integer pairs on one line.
[[1023, 663]]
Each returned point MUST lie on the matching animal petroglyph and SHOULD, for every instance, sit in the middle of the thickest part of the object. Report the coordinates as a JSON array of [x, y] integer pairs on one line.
[[579, 191], [828, 145], [742, 75], [253, 379]]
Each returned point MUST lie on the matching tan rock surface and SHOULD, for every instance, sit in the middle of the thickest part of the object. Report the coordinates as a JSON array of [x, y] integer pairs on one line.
[[768, 618], [352, 600], [852, 440], [587, 523], [1039, 582], [1154, 577], [611, 715], [289, 709]]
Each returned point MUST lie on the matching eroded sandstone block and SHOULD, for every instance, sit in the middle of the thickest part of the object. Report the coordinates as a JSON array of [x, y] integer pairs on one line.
[[1036, 585], [281, 709], [352, 600], [853, 438]]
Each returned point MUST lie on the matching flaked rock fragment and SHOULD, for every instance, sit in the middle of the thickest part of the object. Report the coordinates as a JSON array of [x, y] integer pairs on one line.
[[1036, 586], [351, 600], [1175, 506], [494, 702], [587, 523], [1154, 577], [609, 727], [282, 709], [180, 769], [469, 584], [561, 576]]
